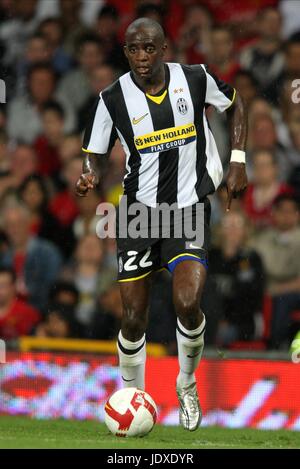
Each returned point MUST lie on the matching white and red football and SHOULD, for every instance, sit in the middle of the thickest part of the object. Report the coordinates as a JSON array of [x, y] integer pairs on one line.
[[130, 412]]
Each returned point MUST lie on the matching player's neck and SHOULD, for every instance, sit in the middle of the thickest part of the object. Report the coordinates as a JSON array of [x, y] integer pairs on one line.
[[153, 84]]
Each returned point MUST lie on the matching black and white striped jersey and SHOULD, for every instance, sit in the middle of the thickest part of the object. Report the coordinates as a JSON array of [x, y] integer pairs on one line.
[[171, 154]]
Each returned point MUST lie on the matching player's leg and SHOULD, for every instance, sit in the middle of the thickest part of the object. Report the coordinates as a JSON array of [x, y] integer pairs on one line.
[[131, 339], [188, 282], [137, 258]]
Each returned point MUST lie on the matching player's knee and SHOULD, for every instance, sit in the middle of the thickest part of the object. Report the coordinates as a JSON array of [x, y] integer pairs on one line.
[[134, 323], [187, 309]]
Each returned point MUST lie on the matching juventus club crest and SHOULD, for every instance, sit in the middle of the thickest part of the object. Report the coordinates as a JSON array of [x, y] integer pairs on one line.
[[182, 106]]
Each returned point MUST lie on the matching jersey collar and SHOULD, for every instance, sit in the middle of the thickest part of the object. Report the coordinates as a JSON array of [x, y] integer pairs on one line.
[[162, 91]]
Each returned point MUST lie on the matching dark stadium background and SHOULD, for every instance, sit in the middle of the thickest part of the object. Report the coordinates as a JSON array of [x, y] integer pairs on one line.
[[58, 291]]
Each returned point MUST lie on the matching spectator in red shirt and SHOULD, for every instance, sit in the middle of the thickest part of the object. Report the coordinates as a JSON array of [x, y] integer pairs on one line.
[[16, 316]]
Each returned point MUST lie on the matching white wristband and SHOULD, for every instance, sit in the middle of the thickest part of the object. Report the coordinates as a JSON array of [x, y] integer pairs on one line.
[[238, 156]]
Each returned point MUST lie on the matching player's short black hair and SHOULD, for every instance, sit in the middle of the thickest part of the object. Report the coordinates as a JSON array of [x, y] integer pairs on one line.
[[55, 107], [286, 197], [9, 271], [146, 23]]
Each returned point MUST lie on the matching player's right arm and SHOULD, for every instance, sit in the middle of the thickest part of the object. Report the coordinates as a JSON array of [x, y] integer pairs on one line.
[[99, 138]]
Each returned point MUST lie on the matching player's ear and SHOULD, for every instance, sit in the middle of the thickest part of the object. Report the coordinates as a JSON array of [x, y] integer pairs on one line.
[[125, 51], [164, 48]]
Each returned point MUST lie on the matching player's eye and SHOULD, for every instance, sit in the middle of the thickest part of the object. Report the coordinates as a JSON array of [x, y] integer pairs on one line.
[[149, 49], [132, 50]]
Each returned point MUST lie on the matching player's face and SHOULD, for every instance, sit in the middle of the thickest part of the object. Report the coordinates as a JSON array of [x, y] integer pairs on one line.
[[144, 51]]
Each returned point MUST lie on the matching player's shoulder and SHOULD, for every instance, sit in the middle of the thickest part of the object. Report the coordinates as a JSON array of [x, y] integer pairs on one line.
[[113, 88], [194, 68], [194, 71]]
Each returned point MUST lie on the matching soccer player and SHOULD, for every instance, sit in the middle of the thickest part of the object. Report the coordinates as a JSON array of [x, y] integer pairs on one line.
[[157, 110]]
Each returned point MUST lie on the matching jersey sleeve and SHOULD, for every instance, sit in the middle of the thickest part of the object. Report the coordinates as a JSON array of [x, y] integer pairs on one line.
[[218, 93], [100, 133]]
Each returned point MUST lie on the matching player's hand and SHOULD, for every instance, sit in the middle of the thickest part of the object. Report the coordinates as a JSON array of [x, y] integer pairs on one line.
[[236, 181], [86, 183]]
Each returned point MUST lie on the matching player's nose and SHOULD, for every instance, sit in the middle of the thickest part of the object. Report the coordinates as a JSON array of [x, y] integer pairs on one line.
[[142, 56]]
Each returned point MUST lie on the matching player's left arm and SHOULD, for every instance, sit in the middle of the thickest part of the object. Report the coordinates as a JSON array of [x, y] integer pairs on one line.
[[225, 98], [236, 180]]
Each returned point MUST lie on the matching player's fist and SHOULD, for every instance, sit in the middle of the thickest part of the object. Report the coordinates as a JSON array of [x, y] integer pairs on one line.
[[236, 181], [85, 183]]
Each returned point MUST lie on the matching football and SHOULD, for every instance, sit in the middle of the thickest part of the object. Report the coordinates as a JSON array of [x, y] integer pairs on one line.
[[130, 412]]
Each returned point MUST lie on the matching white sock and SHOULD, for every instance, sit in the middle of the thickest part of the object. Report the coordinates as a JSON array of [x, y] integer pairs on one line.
[[132, 359], [190, 347]]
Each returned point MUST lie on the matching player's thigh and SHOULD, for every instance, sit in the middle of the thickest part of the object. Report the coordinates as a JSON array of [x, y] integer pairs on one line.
[[189, 279], [187, 259], [135, 297]]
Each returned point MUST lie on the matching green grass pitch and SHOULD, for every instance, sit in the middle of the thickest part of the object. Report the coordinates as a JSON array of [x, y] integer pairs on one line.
[[22, 432]]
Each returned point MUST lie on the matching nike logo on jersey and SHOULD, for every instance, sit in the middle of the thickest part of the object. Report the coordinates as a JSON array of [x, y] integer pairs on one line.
[[127, 380], [136, 121], [192, 356]]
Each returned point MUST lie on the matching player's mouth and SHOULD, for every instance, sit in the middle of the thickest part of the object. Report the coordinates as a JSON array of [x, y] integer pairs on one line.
[[143, 70]]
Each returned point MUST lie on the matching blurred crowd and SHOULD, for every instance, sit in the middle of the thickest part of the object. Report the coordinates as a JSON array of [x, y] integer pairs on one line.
[[57, 278]]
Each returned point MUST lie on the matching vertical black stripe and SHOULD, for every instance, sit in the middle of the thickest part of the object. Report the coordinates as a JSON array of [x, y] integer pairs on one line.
[[162, 118], [115, 102], [112, 139], [224, 87], [197, 86], [89, 126]]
